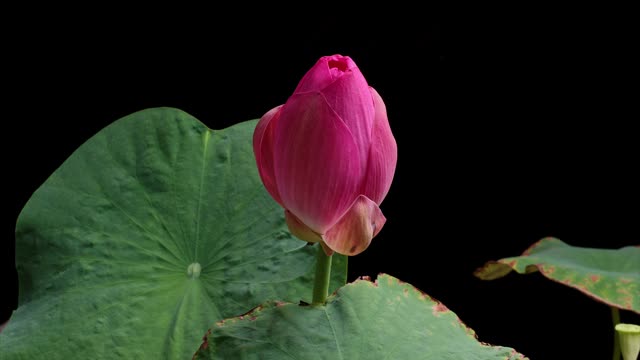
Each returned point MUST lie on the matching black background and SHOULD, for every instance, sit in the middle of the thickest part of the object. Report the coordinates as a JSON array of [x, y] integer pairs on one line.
[[507, 131]]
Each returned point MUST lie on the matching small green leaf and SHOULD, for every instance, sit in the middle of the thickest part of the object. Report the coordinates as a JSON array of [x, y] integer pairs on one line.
[[386, 319], [611, 276], [151, 229]]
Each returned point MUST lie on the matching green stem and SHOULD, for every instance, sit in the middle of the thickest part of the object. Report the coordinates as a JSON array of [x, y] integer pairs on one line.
[[323, 274], [615, 316]]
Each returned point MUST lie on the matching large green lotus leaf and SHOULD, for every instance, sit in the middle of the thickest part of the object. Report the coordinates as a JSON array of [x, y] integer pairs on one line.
[[151, 229], [364, 320], [611, 276]]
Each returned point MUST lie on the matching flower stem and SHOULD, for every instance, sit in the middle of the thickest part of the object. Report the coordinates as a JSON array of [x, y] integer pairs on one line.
[[615, 316], [323, 275]]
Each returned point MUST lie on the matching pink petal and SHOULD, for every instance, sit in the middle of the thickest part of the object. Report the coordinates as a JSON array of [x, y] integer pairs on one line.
[[300, 230], [316, 162], [349, 96], [263, 150], [352, 234], [383, 155]]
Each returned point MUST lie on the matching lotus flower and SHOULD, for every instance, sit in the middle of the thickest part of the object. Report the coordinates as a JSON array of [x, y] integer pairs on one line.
[[328, 156]]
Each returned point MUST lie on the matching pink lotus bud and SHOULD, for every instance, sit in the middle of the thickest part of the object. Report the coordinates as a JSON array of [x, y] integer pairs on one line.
[[328, 157]]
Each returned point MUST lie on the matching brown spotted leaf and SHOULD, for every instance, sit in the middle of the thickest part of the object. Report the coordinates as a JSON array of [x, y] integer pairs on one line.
[[385, 319], [611, 276]]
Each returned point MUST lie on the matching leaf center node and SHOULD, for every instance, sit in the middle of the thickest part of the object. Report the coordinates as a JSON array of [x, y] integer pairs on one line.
[[193, 270]]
